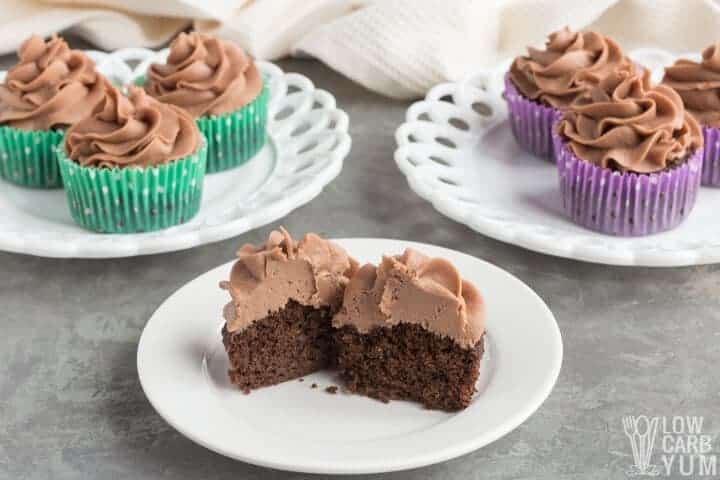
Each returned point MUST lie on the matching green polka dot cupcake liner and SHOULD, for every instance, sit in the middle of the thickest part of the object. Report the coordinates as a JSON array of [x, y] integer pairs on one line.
[[236, 137], [140, 81], [134, 199], [28, 157]]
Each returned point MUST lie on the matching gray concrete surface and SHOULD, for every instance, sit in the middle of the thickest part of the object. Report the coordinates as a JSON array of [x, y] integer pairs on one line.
[[637, 341]]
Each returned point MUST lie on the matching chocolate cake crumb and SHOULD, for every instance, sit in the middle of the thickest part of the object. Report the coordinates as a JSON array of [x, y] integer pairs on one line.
[[314, 385], [287, 344], [301, 379], [332, 389], [407, 362]]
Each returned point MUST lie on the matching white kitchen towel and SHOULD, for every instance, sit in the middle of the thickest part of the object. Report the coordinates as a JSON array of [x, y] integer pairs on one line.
[[398, 48]]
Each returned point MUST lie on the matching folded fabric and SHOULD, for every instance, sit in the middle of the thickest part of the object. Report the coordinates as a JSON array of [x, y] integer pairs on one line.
[[399, 48]]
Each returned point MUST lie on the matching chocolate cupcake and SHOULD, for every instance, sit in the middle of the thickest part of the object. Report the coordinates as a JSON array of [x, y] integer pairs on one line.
[[411, 329], [133, 165], [51, 88], [284, 294], [219, 85], [542, 84], [630, 160], [698, 84]]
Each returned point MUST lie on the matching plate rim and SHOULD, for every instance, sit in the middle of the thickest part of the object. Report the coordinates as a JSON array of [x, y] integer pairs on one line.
[[539, 396], [587, 246], [37, 243]]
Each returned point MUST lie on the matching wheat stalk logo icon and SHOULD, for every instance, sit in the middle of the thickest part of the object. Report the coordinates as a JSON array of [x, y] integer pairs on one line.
[[641, 431]]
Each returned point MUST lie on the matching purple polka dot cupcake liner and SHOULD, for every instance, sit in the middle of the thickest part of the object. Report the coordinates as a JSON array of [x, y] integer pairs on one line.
[[626, 204], [531, 122], [711, 157]]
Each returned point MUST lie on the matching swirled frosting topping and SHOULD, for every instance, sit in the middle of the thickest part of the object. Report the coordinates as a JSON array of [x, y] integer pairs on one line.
[[51, 87], [134, 131], [698, 85], [312, 272], [205, 76], [413, 288], [571, 64], [638, 127]]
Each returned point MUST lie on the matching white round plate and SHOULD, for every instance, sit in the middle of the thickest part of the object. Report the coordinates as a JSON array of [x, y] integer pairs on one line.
[[458, 152], [308, 141], [183, 370]]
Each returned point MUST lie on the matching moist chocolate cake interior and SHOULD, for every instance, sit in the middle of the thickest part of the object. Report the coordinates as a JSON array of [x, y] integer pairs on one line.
[[407, 362], [292, 342]]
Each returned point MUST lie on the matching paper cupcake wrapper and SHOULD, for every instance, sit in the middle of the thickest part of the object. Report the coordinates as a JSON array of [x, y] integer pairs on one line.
[[626, 204], [133, 199], [711, 157], [236, 137], [27, 157], [531, 122]]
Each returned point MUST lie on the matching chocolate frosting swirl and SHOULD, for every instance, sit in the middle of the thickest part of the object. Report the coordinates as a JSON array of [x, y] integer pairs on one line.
[[312, 272], [51, 87], [205, 76], [413, 288], [698, 85], [135, 131], [638, 127], [571, 64]]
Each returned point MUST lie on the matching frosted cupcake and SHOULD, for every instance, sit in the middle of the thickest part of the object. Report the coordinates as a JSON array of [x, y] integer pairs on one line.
[[540, 85], [219, 85], [698, 84], [630, 160], [50, 88], [134, 165]]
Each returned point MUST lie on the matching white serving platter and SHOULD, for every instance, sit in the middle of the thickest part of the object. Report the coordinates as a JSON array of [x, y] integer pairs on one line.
[[182, 367], [458, 152], [308, 141]]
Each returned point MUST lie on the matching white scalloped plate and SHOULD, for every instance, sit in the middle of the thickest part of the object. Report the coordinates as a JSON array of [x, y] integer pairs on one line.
[[308, 141], [458, 152], [182, 367]]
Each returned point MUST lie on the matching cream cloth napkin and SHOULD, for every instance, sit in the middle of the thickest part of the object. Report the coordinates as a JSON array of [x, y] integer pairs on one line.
[[399, 48]]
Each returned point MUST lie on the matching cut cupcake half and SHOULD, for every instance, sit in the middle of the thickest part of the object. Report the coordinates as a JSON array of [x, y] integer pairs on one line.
[[284, 294], [411, 329]]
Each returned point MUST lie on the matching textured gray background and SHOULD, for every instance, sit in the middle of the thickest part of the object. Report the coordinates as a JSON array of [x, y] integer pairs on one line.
[[637, 341]]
